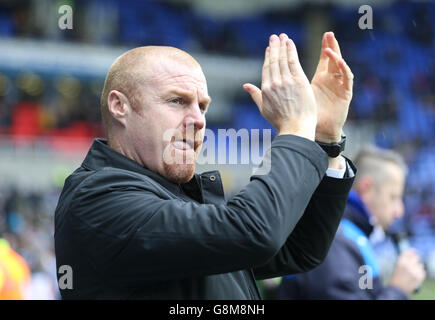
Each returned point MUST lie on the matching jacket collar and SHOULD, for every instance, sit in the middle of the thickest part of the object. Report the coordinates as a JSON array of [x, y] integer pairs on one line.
[[100, 155], [358, 213]]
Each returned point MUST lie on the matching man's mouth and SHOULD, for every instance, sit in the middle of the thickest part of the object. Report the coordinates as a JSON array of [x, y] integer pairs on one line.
[[184, 144]]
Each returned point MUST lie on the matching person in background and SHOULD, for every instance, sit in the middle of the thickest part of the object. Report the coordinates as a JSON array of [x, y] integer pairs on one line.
[[14, 274], [351, 269]]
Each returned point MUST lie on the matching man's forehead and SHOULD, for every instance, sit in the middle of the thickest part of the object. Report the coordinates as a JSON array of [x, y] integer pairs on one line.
[[168, 72]]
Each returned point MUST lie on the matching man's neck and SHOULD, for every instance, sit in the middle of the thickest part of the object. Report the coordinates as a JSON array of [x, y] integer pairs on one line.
[[117, 145]]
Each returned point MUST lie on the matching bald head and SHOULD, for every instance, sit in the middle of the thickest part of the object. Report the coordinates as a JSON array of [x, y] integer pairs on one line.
[[153, 105], [134, 69]]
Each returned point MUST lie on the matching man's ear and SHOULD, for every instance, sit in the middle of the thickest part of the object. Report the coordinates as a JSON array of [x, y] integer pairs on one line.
[[365, 186], [118, 106]]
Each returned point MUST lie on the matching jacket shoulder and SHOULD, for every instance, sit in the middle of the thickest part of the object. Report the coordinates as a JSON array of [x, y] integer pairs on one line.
[[111, 179], [345, 249], [362, 243], [86, 187]]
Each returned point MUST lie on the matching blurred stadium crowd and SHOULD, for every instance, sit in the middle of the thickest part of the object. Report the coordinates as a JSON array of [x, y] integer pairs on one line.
[[393, 92]]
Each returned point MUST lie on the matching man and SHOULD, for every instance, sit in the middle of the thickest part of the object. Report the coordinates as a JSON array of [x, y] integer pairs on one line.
[[133, 223], [351, 270]]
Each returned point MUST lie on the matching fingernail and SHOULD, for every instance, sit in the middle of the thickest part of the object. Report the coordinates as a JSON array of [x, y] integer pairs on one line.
[[273, 37]]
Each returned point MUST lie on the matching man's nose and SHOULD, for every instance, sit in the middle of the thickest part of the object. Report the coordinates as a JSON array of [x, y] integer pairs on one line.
[[195, 118]]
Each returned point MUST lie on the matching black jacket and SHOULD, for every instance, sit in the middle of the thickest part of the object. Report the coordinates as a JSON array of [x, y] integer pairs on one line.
[[129, 233], [340, 276]]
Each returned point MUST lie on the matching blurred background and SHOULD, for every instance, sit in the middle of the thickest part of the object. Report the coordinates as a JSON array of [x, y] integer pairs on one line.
[[51, 80]]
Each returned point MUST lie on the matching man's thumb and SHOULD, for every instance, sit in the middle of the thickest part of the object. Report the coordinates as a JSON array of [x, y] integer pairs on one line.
[[255, 94]]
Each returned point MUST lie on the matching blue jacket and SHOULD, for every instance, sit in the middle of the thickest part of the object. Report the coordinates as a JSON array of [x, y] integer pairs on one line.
[[350, 263]]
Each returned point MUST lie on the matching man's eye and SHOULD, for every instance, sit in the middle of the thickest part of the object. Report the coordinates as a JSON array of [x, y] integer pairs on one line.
[[177, 101]]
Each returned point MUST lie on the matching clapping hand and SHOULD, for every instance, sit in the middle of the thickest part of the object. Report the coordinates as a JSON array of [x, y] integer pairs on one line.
[[332, 86]]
